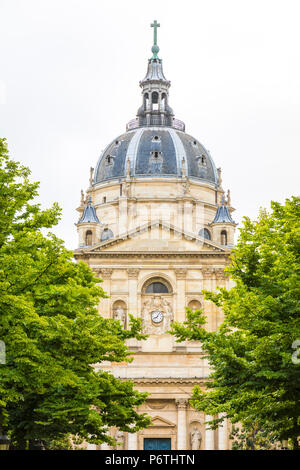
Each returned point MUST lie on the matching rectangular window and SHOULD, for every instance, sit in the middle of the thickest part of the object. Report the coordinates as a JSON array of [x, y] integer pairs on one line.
[[157, 444]]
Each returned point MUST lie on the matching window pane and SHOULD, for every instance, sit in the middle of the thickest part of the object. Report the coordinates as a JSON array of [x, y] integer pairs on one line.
[[157, 288]]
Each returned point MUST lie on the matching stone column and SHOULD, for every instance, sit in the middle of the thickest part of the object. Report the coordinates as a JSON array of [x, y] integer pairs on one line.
[[105, 274], [209, 436], [222, 434], [180, 310], [123, 216], [181, 423], [188, 216], [132, 441], [132, 291], [209, 284]]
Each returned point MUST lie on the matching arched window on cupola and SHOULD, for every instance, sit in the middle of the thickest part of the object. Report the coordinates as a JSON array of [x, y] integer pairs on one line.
[[205, 233], [88, 238], [223, 237], [146, 101], [163, 101], [154, 100], [109, 160]]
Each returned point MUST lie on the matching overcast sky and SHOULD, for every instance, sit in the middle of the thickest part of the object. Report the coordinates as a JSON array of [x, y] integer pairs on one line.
[[69, 78]]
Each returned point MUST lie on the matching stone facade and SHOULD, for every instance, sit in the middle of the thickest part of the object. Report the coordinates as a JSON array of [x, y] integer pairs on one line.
[[156, 243]]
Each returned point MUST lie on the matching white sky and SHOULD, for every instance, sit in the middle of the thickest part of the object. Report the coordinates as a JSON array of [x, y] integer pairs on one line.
[[69, 76]]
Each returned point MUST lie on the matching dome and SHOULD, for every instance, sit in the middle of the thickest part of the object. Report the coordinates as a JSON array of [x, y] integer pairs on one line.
[[155, 151]]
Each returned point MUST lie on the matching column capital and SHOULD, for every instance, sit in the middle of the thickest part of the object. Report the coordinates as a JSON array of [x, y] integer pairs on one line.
[[133, 273], [181, 403], [104, 273], [219, 273], [207, 273], [180, 273]]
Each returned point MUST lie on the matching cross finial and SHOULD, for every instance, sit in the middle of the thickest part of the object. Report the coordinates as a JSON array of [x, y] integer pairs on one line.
[[155, 48]]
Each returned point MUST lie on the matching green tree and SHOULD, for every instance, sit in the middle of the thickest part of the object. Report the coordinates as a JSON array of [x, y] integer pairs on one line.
[[52, 330], [254, 378], [251, 437]]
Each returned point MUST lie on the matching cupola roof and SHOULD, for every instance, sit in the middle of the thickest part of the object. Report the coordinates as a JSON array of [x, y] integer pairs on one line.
[[223, 214], [89, 214]]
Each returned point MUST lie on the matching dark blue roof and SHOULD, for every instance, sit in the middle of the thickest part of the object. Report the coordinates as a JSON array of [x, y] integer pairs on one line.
[[89, 214], [137, 148], [223, 215]]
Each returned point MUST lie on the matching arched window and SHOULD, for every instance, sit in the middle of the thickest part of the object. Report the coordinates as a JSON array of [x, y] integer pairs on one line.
[[204, 233], [157, 288], [88, 237], [154, 97], [155, 162], [146, 100], [223, 237], [106, 234], [155, 100], [157, 285]]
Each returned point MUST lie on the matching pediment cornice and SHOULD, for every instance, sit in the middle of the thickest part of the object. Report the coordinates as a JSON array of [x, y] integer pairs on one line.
[[102, 248]]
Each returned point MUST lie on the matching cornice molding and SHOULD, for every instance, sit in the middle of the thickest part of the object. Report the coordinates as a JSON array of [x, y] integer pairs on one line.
[[150, 254], [174, 380]]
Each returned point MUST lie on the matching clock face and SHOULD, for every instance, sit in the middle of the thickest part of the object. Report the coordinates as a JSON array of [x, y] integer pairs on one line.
[[157, 316]]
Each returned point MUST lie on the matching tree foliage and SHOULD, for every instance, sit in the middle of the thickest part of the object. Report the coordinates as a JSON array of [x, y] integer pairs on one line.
[[52, 330], [253, 376]]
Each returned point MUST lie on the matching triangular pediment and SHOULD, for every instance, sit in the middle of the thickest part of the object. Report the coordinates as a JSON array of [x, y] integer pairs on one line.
[[156, 237], [158, 421]]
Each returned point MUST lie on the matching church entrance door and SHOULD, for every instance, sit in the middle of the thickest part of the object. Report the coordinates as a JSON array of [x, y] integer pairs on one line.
[[157, 444]]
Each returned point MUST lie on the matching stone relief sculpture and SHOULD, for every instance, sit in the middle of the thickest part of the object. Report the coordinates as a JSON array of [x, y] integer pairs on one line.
[[120, 438], [196, 439], [157, 315], [186, 187], [91, 176], [126, 189]]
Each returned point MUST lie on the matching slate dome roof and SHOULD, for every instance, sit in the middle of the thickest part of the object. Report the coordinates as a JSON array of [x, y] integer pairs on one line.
[[155, 151]]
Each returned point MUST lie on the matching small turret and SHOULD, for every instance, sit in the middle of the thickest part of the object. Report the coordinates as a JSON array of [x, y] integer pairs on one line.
[[88, 226], [223, 226]]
